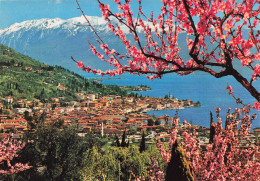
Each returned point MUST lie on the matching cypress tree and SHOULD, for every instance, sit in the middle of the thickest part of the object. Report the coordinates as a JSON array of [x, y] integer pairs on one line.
[[179, 167], [212, 129], [16, 85], [150, 122], [142, 144], [117, 141], [123, 143]]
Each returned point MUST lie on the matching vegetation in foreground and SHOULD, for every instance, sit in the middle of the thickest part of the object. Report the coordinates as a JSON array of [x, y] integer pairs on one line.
[[58, 153]]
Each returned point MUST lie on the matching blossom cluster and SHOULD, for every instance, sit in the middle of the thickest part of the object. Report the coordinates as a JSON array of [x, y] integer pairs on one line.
[[166, 154], [154, 173], [9, 148], [225, 158]]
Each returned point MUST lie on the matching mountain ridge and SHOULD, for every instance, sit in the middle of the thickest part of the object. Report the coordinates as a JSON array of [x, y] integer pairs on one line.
[[54, 41], [47, 23]]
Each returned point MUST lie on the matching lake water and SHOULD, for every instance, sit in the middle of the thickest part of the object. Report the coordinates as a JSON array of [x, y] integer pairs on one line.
[[211, 93]]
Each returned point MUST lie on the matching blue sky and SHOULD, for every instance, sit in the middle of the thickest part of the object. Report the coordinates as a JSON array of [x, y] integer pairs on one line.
[[12, 11]]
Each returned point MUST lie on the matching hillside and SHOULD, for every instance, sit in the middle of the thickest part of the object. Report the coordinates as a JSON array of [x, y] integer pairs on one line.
[[25, 78]]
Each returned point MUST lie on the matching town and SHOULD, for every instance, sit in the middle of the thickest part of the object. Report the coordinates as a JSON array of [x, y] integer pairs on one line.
[[107, 116]]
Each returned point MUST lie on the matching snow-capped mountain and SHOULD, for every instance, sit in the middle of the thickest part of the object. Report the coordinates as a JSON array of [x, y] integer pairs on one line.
[[53, 41], [57, 23]]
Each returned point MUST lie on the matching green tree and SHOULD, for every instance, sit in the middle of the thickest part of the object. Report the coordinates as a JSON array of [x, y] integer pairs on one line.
[[212, 129], [142, 144], [115, 163], [157, 122], [123, 142], [27, 116], [29, 119], [150, 122], [92, 140], [179, 167], [98, 166], [42, 117], [59, 152]]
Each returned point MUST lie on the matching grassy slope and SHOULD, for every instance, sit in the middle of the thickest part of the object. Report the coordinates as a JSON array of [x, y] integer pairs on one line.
[[41, 81]]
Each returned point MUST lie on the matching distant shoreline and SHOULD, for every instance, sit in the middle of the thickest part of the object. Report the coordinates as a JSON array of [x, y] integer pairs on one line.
[[103, 78], [162, 109]]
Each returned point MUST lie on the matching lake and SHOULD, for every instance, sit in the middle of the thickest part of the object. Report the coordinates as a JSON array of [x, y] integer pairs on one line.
[[210, 91]]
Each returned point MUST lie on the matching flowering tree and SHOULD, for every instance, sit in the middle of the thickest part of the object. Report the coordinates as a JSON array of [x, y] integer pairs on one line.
[[224, 158], [8, 150], [220, 35]]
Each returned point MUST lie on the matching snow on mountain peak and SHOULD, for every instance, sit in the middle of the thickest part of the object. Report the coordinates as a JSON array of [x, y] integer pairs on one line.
[[69, 24], [43, 24], [40, 24], [94, 20]]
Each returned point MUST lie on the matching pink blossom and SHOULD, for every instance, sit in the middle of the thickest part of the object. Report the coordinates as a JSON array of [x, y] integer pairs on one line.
[[257, 56], [230, 90], [79, 64], [112, 51], [126, 7], [257, 70], [8, 150], [256, 105]]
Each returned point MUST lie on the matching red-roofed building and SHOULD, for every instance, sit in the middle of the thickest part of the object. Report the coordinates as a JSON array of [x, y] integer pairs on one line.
[[104, 103], [61, 87], [8, 99], [20, 121]]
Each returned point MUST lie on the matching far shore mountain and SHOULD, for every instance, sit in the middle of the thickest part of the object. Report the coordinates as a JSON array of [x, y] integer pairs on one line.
[[53, 41]]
